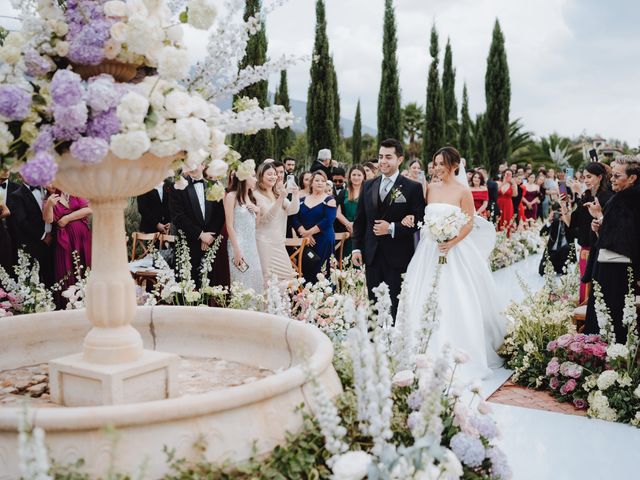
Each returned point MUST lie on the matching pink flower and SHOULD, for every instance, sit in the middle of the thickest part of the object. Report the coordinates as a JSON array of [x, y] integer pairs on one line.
[[12, 298], [564, 340], [568, 387], [553, 383], [553, 367], [552, 345], [580, 403], [600, 350], [592, 338], [570, 369]]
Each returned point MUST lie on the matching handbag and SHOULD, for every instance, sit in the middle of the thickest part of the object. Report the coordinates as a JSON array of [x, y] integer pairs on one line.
[[309, 258]]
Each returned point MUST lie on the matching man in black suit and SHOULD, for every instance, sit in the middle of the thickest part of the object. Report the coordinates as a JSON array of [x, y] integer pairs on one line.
[[324, 163], [28, 229], [8, 254], [155, 214], [201, 221], [386, 245]]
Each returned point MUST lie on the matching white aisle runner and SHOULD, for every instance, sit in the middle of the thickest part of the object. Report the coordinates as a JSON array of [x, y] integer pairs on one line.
[[544, 445]]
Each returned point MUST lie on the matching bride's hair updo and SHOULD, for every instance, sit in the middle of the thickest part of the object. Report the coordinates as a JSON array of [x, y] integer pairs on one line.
[[450, 156]]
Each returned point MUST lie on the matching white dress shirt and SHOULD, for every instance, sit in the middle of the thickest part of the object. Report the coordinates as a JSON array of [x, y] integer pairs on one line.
[[38, 194], [199, 187], [160, 190], [386, 185]]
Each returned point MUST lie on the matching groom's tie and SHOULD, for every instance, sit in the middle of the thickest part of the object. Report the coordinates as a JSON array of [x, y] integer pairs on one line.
[[386, 186]]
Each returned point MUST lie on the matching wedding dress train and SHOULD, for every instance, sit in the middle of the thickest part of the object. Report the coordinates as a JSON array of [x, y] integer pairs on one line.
[[469, 319]]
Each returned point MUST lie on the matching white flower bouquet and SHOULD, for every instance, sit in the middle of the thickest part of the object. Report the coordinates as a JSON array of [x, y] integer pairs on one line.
[[444, 228]]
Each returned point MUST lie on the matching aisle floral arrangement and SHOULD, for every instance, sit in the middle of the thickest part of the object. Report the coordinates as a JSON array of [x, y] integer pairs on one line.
[[516, 246], [24, 292]]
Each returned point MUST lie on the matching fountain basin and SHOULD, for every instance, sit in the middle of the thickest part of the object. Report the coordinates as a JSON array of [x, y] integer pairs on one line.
[[233, 422]]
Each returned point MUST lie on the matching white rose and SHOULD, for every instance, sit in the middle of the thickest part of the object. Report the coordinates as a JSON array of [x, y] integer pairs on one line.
[[194, 159], [181, 183], [164, 148], [10, 54], [14, 39], [217, 169], [112, 49], [403, 378], [606, 379], [174, 33], [178, 104], [119, 32], [202, 13], [130, 145], [132, 110], [115, 8], [62, 48], [173, 63], [192, 134], [219, 151], [200, 107], [351, 466]]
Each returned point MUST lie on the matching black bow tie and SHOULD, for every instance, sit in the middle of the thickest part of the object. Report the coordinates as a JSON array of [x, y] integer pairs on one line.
[[33, 189], [198, 181], [3, 186]]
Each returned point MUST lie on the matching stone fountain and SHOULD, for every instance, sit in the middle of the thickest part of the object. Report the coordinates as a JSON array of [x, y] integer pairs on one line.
[[126, 375]]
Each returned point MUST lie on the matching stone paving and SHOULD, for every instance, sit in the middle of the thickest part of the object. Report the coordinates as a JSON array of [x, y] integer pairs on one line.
[[511, 394]]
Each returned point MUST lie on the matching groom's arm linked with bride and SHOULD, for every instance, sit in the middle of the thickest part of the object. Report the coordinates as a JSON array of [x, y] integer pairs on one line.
[[379, 238]]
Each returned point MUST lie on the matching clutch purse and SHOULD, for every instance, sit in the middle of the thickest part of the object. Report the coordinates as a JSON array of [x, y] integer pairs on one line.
[[243, 267]]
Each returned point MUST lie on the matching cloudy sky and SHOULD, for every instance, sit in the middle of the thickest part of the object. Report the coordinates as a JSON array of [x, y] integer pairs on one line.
[[574, 64]]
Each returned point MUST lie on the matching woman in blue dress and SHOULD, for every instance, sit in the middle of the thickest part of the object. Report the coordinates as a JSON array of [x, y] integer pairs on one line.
[[314, 222]]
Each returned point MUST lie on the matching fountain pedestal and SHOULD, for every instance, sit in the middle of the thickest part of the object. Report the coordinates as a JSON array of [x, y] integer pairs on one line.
[[113, 367]]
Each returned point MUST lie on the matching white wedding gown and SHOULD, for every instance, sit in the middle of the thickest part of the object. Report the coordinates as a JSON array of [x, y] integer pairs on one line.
[[469, 319]]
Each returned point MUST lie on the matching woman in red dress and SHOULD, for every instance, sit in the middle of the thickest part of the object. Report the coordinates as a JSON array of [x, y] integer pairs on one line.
[[506, 191], [480, 194], [531, 198]]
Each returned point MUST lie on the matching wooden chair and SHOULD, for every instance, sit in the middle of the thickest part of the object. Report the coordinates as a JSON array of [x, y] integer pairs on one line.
[[341, 238], [296, 256], [166, 239], [580, 312], [147, 240]]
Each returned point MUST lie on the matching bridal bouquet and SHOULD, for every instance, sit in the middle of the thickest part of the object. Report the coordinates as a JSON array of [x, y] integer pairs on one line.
[[445, 228]]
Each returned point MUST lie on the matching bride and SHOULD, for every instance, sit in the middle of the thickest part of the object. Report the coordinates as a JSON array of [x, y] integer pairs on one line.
[[468, 316]]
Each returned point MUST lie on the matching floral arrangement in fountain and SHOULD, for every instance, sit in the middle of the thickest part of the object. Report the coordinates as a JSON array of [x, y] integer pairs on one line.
[[25, 294], [60, 87]]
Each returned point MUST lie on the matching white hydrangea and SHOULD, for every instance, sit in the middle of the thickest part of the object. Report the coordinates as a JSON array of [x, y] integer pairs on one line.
[[115, 8], [599, 407], [178, 104], [217, 169], [164, 148], [130, 145], [173, 63], [141, 34], [617, 350], [192, 134], [202, 13], [606, 379], [132, 110]]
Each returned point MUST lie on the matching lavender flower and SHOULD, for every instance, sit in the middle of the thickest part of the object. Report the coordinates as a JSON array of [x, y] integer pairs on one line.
[[66, 88], [14, 102], [499, 464], [44, 140], [486, 426], [104, 124], [468, 449], [37, 65], [89, 149], [40, 169], [88, 31]]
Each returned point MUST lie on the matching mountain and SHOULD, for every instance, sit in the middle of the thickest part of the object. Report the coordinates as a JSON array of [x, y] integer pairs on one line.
[[299, 109]]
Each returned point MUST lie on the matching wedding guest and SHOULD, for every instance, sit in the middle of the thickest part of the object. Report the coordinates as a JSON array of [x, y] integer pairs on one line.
[[153, 206], [28, 229], [371, 170], [314, 222], [552, 192], [348, 204], [492, 190], [531, 198], [540, 179], [518, 209], [201, 221], [69, 216], [323, 162], [338, 178], [289, 165], [241, 213], [480, 194], [597, 183], [417, 175], [280, 169], [559, 241], [7, 259], [618, 246], [304, 180], [507, 189], [271, 199]]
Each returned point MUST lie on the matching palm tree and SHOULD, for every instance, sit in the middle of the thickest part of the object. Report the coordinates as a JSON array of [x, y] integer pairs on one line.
[[412, 123], [519, 140], [556, 151]]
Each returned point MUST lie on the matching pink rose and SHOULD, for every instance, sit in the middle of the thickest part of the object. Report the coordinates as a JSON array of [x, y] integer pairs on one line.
[[580, 403], [553, 367], [552, 345], [576, 347], [564, 340], [600, 351], [553, 383], [568, 387]]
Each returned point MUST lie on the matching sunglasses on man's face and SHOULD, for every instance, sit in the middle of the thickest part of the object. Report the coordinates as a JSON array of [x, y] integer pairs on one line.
[[618, 175]]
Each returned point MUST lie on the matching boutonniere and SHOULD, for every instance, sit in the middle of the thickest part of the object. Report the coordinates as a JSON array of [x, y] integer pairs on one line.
[[396, 193]]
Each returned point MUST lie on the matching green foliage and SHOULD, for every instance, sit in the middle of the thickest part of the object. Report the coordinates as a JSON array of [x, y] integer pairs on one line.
[[282, 137], [498, 98], [369, 147], [464, 134], [356, 138], [413, 123], [389, 111], [555, 151], [3, 34], [260, 145], [449, 97], [336, 103], [478, 142], [520, 140], [321, 102], [434, 127], [299, 149]]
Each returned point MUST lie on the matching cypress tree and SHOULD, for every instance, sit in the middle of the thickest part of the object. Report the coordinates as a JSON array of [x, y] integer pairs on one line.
[[282, 138], [434, 126], [389, 109], [497, 88], [480, 142], [321, 120], [356, 138], [260, 145], [464, 138], [449, 97], [336, 104]]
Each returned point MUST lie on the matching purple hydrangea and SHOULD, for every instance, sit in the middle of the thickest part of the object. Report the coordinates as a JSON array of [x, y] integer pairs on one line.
[[104, 124], [66, 88], [89, 149], [44, 140], [88, 31], [40, 169], [37, 65], [499, 464], [73, 118], [485, 425], [468, 449], [15, 102], [102, 93]]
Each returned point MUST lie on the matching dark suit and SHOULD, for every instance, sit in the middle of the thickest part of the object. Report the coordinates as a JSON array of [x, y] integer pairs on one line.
[[8, 254], [187, 217], [387, 258], [27, 228], [318, 165], [153, 210]]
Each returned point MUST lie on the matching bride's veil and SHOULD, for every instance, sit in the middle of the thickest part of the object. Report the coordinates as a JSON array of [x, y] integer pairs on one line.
[[462, 174]]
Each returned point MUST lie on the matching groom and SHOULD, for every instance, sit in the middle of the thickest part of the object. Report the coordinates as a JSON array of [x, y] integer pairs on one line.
[[378, 235]]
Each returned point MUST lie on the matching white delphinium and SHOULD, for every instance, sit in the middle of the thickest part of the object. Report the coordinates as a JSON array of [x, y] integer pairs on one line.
[[383, 317], [351, 465], [30, 293], [277, 303], [403, 338], [603, 315], [429, 320], [32, 451]]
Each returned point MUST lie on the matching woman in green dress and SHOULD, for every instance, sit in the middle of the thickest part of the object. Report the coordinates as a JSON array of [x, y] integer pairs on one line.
[[348, 204]]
